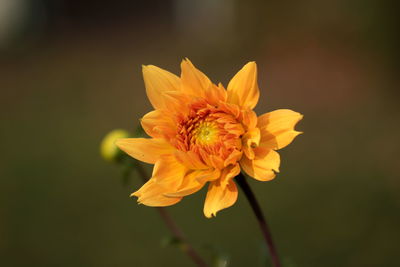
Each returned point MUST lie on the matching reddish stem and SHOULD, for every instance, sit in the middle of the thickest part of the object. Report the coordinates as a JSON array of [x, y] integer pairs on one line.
[[241, 180]]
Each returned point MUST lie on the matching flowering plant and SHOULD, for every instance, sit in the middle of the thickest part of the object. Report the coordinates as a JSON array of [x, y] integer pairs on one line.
[[201, 133]]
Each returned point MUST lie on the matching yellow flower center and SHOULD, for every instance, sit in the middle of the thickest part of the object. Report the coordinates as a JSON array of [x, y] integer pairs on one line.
[[214, 134], [206, 133]]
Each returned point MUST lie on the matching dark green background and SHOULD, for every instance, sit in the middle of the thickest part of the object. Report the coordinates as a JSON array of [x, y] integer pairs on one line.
[[70, 72]]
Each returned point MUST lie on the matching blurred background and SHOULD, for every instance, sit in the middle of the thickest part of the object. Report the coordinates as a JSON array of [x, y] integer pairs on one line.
[[70, 71]]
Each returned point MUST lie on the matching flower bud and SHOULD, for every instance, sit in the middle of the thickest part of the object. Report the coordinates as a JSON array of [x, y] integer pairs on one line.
[[108, 150]]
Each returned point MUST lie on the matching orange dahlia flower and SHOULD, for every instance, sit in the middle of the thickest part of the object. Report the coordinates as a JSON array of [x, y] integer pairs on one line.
[[201, 133]]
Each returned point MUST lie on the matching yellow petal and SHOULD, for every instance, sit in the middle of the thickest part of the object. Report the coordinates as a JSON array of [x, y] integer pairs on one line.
[[264, 166], [148, 150], [169, 172], [194, 82], [277, 128], [158, 124], [243, 88], [219, 197], [157, 81], [152, 194], [190, 184]]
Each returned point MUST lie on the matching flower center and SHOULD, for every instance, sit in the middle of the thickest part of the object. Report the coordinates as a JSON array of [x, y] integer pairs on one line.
[[212, 133], [206, 133]]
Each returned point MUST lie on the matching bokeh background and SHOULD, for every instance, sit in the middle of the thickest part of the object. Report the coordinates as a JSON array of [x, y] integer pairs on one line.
[[70, 71]]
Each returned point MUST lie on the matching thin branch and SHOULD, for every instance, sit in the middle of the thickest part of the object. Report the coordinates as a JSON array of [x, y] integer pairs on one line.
[[172, 226], [241, 180]]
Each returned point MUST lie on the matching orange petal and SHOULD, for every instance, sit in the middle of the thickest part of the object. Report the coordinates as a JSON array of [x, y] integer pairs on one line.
[[250, 141], [152, 194], [208, 175], [277, 128], [234, 128], [157, 81], [211, 160], [214, 94], [190, 159], [233, 157], [229, 173], [177, 102], [148, 150], [264, 166], [190, 184], [219, 197], [194, 82], [230, 108], [158, 124], [243, 88], [248, 118], [169, 172]]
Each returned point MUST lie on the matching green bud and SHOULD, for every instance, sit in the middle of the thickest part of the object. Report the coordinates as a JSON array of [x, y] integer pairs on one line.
[[108, 150]]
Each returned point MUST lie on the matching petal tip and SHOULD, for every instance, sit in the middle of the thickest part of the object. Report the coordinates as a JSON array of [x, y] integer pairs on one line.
[[210, 215], [185, 60], [149, 68], [250, 64]]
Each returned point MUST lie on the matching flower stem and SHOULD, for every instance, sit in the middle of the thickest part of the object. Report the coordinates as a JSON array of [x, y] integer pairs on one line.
[[241, 180], [172, 226]]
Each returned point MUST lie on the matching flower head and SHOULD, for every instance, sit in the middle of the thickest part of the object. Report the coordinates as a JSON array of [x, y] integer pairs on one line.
[[201, 133]]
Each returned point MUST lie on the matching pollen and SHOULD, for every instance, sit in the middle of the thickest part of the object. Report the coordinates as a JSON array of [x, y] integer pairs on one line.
[[206, 133]]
